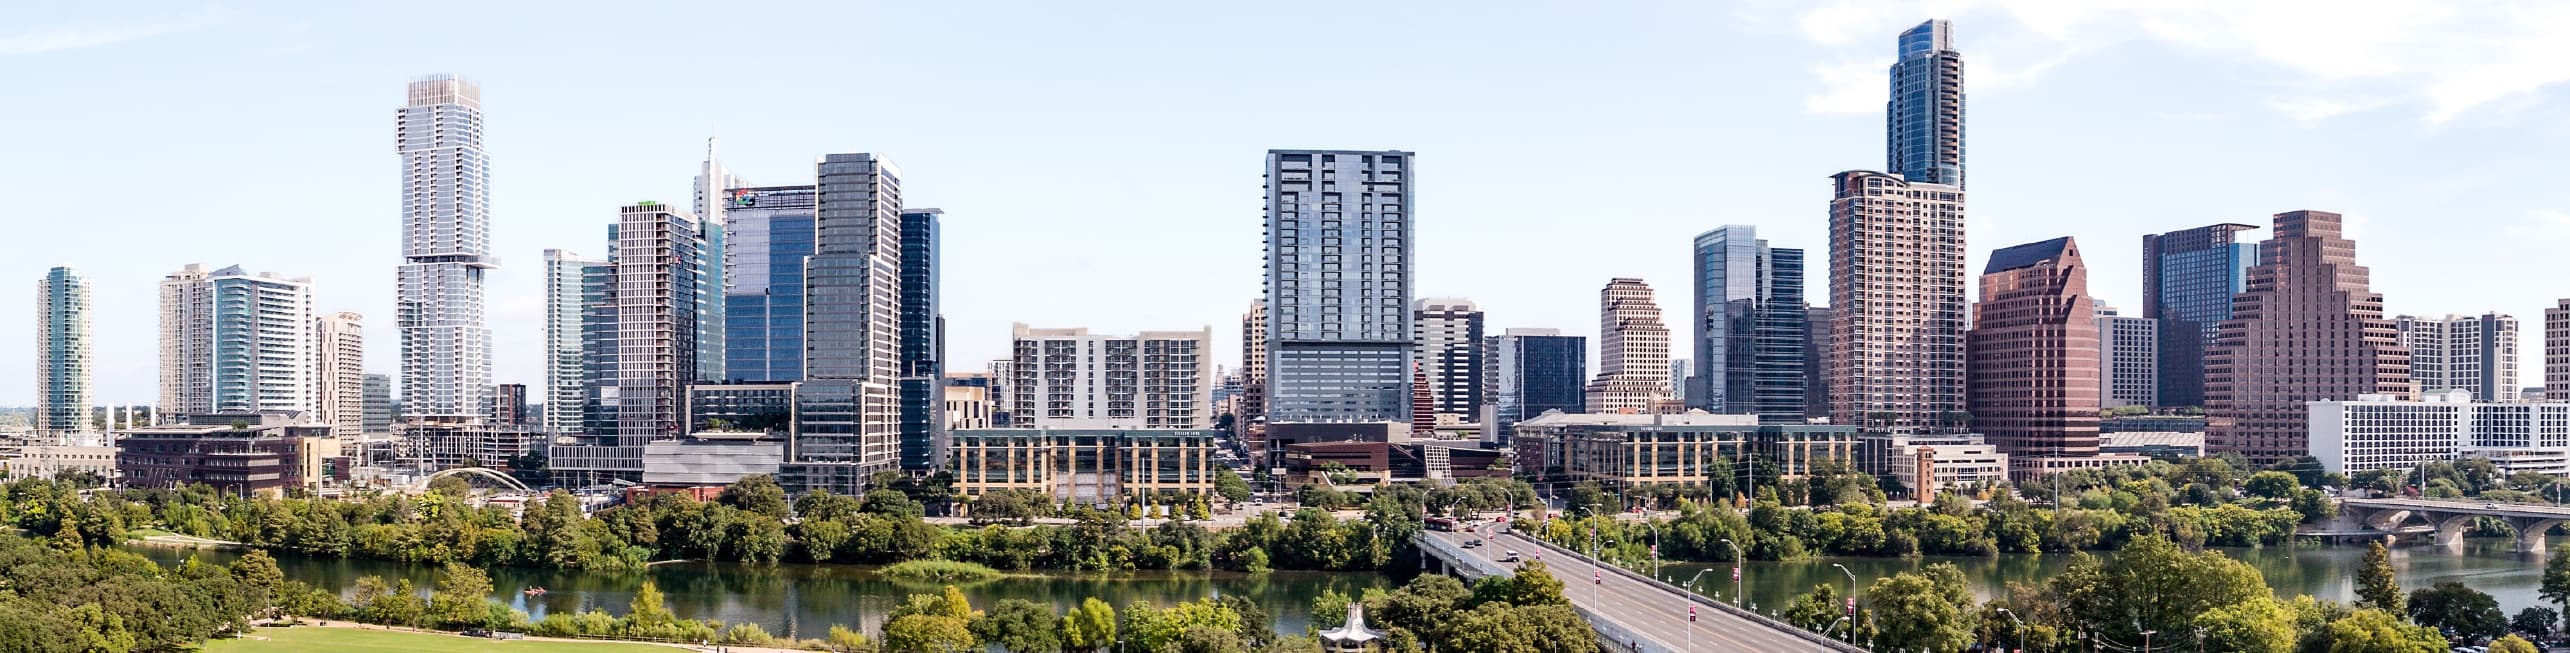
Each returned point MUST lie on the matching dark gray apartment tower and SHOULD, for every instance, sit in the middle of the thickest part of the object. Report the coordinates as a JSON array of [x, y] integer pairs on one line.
[[847, 410], [1338, 281], [923, 351]]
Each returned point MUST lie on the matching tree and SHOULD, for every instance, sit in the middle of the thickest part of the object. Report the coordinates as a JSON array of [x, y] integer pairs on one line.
[[1926, 611], [2457, 609], [1533, 584], [2512, 644], [2375, 631], [461, 593], [1496, 628], [756, 493], [1230, 486], [822, 505], [2152, 585], [1019, 626], [258, 574], [1155, 630], [452, 485], [649, 612], [1089, 627], [843, 640], [2537, 620], [2259, 625], [2556, 577], [2272, 485], [2375, 587], [1817, 609], [925, 633], [892, 503]]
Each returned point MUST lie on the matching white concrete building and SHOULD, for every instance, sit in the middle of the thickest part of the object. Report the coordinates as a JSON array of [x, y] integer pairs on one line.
[[2128, 359], [2387, 432], [232, 341], [1928, 464], [1070, 378], [86, 453], [339, 372], [2456, 352]]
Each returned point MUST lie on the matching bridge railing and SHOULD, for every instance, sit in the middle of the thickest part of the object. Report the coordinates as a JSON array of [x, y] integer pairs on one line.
[[1771, 623]]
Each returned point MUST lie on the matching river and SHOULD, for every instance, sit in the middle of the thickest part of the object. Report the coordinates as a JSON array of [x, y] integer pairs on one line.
[[2486, 564], [805, 600]]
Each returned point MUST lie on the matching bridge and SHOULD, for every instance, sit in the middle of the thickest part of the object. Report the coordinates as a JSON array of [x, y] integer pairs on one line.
[[1630, 611], [2451, 517]]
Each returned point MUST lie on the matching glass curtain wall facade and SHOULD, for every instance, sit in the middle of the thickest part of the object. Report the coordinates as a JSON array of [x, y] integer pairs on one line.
[[572, 289], [1537, 370], [62, 353], [923, 346], [1338, 285], [848, 409], [1750, 326], [1925, 114], [2188, 278], [768, 231], [446, 250]]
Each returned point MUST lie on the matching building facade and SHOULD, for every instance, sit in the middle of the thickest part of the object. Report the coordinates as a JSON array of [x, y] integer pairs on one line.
[[1070, 378], [575, 289], [1338, 282], [1088, 466], [339, 372], [377, 393], [2128, 357], [63, 381], [446, 250], [849, 409], [236, 453], [2390, 432], [1686, 448], [1750, 327], [1533, 371], [2307, 328], [2556, 351], [2034, 372], [1449, 333], [1896, 272], [1816, 348], [766, 233], [660, 260], [1632, 351], [1924, 465], [923, 346], [235, 342], [2458, 352], [1923, 130], [2188, 278]]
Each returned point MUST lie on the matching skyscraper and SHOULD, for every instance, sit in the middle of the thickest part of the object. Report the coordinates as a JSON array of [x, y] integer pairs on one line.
[[2128, 350], [1750, 326], [848, 411], [339, 372], [1816, 344], [2034, 369], [767, 233], [2188, 278], [1896, 274], [1338, 265], [2457, 352], [378, 397], [1536, 370], [2556, 351], [1070, 378], [923, 346], [1253, 362], [575, 288], [1449, 333], [1632, 351], [713, 222], [232, 341], [62, 353], [446, 250], [659, 296], [1924, 130], [2307, 328]]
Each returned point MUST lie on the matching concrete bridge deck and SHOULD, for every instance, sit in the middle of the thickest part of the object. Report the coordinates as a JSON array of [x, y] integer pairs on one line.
[[1630, 611]]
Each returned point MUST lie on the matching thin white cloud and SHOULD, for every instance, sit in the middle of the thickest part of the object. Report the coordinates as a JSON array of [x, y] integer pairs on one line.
[[1850, 87], [2445, 58], [2542, 224], [56, 38]]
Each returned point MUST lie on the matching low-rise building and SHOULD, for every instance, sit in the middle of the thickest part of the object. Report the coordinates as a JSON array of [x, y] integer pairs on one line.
[[2387, 432], [1092, 466], [968, 407], [1376, 462], [711, 459], [1669, 448], [260, 453], [50, 457], [1924, 465], [2167, 445]]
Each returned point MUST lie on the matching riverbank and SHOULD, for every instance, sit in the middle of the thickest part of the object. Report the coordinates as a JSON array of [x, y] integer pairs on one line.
[[342, 636]]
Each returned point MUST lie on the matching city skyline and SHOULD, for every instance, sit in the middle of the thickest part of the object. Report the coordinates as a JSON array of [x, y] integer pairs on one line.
[[551, 178]]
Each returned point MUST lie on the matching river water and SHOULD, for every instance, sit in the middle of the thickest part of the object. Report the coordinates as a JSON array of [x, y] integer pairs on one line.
[[2485, 564], [805, 600]]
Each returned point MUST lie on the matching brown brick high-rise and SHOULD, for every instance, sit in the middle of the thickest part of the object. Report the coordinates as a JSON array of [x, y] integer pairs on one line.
[[2307, 327], [2033, 386]]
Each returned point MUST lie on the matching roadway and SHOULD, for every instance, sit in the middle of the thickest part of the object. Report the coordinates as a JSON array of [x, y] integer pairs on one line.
[[1654, 612], [2490, 508]]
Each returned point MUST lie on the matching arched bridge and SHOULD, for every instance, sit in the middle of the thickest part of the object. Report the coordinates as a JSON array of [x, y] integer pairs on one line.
[[482, 472], [2452, 517]]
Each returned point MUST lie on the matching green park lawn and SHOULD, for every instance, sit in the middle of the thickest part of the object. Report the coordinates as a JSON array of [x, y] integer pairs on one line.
[[385, 641]]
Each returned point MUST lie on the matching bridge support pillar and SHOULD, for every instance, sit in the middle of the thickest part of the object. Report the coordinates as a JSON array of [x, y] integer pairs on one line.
[[2449, 531], [2530, 533]]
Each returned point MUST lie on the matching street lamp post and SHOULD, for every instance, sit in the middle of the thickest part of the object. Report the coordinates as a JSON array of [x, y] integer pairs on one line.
[[2146, 640], [1851, 607], [1737, 585], [1690, 599], [2021, 629]]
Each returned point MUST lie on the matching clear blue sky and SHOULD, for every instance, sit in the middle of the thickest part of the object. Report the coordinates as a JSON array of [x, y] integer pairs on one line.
[[1099, 162]]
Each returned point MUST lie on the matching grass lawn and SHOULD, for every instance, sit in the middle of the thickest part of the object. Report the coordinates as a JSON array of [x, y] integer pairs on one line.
[[385, 641]]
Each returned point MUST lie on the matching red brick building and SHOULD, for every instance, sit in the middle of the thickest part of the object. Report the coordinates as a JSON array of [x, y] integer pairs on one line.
[[2033, 376]]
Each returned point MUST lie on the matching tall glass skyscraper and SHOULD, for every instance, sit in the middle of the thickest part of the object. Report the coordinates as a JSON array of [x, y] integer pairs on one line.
[[62, 352], [2188, 279], [446, 250], [1536, 370], [574, 288], [715, 228], [768, 233], [232, 341], [1925, 134], [1750, 326], [923, 346], [847, 410], [1449, 333], [1339, 227]]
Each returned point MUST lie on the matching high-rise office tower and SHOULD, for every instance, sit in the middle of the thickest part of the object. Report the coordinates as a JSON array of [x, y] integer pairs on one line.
[[2462, 352], [62, 353], [233, 341], [713, 221], [2188, 278], [1816, 343], [767, 232], [659, 295], [1536, 370], [2556, 351], [2307, 328], [2034, 370], [1253, 362], [1750, 326], [575, 288], [446, 250], [1896, 274], [1924, 119], [378, 397], [508, 404], [2128, 357], [1070, 378], [1339, 225], [848, 407], [1632, 351], [1002, 374], [1449, 332], [339, 372], [923, 346], [1680, 370]]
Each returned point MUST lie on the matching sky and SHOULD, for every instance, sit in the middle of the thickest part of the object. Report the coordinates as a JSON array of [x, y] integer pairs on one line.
[[1098, 163]]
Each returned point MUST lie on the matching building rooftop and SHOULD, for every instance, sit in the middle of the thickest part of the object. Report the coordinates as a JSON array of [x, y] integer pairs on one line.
[[2026, 255], [1689, 418]]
